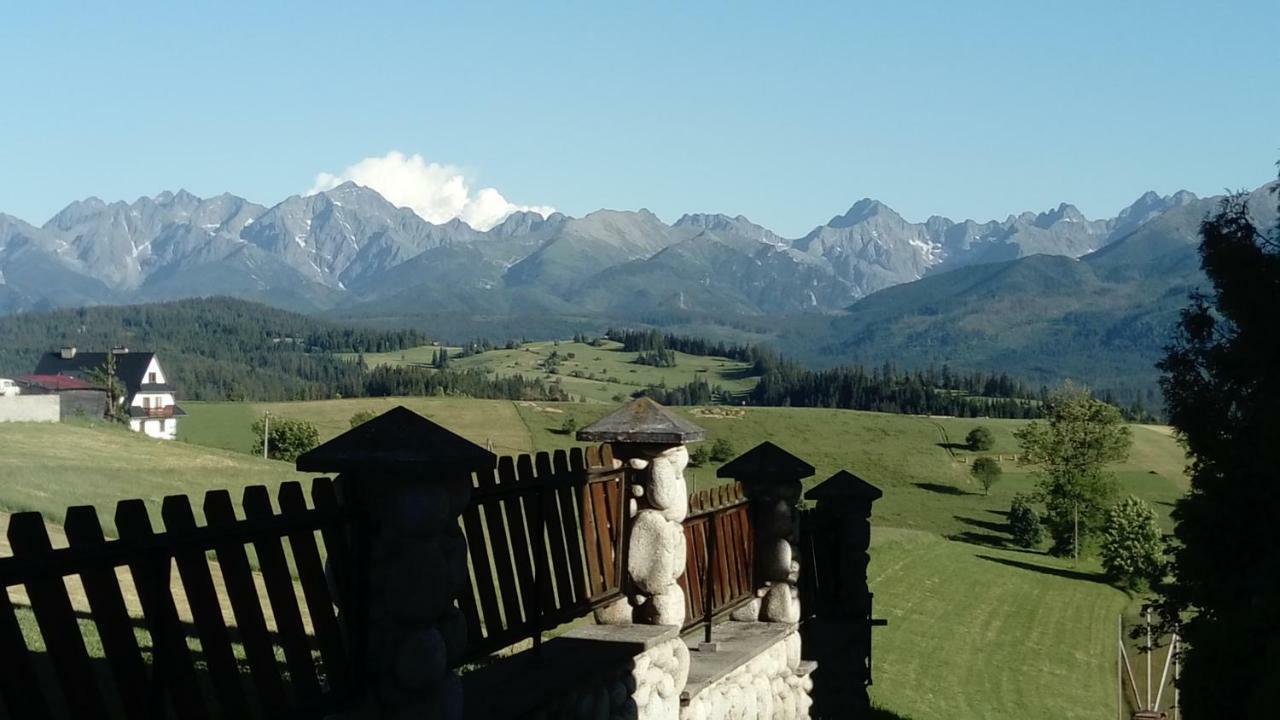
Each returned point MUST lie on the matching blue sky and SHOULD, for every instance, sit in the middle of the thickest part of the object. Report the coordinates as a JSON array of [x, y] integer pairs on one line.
[[785, 114]]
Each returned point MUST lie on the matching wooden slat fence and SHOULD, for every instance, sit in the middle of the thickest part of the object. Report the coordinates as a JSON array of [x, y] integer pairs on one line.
[[720, 555], [545, 541], [216, 667]]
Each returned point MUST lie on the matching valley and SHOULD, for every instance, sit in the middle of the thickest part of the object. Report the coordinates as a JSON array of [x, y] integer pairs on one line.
[[940, 554]]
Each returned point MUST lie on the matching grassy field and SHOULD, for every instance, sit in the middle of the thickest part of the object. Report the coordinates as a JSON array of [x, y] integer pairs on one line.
[[50, 467], [598, 374], [978, 629]]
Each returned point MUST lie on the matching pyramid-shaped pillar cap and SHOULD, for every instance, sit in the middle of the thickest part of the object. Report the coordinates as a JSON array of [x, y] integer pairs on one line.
[[845, 486], [642, 421], [396, 439], [766, 460]]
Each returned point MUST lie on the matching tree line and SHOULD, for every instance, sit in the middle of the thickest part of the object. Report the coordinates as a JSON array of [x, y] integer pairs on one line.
[[228, 349]]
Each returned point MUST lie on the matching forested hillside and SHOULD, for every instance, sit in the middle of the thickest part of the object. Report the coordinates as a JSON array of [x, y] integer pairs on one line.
[[226, 349]]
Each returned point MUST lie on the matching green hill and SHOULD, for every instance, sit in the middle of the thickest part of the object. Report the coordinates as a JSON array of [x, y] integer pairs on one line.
[[978, 629]]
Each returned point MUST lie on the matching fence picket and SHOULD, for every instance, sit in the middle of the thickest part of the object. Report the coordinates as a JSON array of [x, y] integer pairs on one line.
[[197, 581], [571, 517], [283, 599], [500, 545], [110, 615], [173, 666], [242, 593], [20, 689], [518, 525], [52, 607], [315, 589]]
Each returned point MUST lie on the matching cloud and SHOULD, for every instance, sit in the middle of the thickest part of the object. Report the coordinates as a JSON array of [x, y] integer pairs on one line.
[[437, 193]]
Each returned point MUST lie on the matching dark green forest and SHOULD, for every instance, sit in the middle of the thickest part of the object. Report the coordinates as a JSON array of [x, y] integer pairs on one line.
[[227, 349]]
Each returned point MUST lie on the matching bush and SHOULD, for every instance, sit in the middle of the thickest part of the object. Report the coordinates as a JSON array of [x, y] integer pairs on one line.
[[1131, 543], [1024, 523], [287, 438], [700, 456], [362, 417], [987, 472], [569, 426], [721, 450], [980, 439]]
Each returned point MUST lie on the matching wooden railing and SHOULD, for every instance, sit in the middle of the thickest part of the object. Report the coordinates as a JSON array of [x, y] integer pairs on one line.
[[720, 555], [171, 680], [544, 542]]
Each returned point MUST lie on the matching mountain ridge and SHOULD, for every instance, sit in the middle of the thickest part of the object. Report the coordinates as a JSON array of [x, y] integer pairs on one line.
[[349, 247]]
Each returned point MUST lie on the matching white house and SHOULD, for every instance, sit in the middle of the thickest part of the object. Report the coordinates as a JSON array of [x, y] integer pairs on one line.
[[149, 399]]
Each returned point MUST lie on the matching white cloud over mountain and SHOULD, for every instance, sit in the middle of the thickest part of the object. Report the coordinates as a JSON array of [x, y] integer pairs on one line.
[[437, 193]]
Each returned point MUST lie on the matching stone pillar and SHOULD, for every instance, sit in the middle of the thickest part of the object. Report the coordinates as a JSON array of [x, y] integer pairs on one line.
[[406, 480], [838, 632], [650, 440], [772, 480]]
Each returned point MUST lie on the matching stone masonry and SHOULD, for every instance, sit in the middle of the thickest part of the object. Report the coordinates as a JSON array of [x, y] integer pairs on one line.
[[772, 479], [650, 440]]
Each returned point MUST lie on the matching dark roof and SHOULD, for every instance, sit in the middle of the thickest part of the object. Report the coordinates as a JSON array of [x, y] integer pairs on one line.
[[844, 485], [398, 438], [642, 421], [131, 367], [766, 459], [56, 382]]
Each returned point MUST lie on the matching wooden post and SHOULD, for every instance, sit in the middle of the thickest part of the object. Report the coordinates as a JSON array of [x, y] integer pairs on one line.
[[837, 631], [410, 480]]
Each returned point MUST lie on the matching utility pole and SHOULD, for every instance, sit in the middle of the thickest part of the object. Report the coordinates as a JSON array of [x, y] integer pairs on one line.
[[1075, 535], [266, 427]]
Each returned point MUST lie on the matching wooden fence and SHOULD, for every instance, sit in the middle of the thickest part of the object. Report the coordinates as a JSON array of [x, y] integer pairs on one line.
[[720, 555], [203, 670], [544, 542]]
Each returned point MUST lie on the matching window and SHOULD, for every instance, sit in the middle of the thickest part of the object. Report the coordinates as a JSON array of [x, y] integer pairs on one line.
[[146, 402], [151, 378]]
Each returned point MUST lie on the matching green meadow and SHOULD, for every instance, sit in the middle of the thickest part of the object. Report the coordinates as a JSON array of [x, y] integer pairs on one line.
[[600, 374], [977, 628]]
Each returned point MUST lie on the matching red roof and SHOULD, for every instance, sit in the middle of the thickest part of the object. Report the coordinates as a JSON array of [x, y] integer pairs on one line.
[[57, 382]]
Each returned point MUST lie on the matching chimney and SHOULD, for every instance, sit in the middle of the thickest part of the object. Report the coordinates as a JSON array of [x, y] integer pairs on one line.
[[119, 350], [68, 352]]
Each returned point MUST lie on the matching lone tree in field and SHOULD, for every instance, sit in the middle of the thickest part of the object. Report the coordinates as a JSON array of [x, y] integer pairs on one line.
[[1070, 450], [987, 472], [287, 438], [980, 439], [1024, 522], [1130, 546], [1222, 389], [106, 378]]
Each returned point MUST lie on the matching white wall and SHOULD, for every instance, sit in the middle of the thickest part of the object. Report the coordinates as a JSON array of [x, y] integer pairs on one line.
[[30, 408], [159, 428]]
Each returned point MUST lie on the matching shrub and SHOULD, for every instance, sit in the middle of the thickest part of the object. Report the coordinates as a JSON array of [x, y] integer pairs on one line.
[[362, 417], [1130, 543], [1024, 522], [721, 450], [987, 472], [980, 439], [287, 437], [700, 456], [569, 426]]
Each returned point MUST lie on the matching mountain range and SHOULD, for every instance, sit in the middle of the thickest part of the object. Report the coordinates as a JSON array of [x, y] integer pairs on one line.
[[350, 249], [1042, 295]]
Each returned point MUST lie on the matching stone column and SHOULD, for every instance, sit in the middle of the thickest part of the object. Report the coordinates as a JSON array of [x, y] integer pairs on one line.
[[650, 440], [406, 480], [772, 480], [838, 633]]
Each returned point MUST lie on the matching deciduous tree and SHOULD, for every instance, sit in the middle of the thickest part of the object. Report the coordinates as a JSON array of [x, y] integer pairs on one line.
[[1070, 450]]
